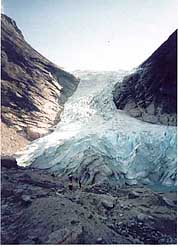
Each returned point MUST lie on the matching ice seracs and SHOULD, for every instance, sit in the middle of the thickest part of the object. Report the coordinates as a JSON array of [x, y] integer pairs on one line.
[[99, 143]]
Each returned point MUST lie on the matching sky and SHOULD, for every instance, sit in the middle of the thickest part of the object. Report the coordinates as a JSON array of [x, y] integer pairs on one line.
[[94, 34]]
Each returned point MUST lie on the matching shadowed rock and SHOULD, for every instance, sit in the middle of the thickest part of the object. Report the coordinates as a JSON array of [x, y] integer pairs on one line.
[[9, 162], [150, 93]]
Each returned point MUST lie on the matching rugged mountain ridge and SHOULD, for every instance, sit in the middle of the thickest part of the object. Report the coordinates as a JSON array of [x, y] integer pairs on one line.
[[34, 89], [150, 93]]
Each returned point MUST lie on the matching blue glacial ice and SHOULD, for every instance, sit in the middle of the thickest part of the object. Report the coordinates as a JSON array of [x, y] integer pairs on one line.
[[97, 142]]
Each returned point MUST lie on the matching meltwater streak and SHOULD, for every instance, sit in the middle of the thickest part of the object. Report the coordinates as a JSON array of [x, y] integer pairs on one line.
[[97, 142]]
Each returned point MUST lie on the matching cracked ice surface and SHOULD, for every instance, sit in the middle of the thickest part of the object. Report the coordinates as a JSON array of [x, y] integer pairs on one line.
[[98, 142]]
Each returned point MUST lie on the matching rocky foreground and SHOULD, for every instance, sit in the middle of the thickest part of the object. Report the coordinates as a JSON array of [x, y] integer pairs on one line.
[[38, 208]]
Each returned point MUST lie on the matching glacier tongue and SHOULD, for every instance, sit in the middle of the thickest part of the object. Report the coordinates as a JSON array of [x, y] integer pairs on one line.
[[97, 142]]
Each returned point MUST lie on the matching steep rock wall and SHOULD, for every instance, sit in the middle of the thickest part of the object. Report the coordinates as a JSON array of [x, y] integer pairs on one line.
[[150, 93], [33, 90]]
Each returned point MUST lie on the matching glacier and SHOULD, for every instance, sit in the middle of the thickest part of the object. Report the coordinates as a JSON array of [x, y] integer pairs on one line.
[[97, 142]]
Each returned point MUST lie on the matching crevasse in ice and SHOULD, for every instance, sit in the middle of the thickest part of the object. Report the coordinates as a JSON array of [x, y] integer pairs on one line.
[[97, 142]]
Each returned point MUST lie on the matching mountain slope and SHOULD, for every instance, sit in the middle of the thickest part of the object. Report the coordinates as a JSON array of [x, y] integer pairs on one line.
[[150, 93], [34, 90]]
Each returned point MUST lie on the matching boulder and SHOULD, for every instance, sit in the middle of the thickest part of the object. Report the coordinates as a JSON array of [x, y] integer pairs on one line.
[[9, 162], [108, 203], [99, 240], [66, 235], [133, 195], [26, 199], [142, 217], [168, 202]]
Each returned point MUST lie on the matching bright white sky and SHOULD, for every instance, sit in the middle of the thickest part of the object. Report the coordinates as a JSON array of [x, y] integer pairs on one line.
[[95, 34]]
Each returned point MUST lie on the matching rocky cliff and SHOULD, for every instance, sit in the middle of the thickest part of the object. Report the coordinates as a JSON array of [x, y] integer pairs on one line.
[[34, 90], [150, 93]]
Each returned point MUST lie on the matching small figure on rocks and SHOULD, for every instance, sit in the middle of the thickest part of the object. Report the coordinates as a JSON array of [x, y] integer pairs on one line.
[[70, 182], [53, 175], [78, 181], [80, 184]]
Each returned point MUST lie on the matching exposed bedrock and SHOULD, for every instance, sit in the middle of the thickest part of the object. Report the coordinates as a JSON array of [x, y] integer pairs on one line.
[[150, 92], [33, 90]]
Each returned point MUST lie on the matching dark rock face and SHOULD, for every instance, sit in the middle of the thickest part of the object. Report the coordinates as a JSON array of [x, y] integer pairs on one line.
[[150, 93], [9, 162], [33, 89]]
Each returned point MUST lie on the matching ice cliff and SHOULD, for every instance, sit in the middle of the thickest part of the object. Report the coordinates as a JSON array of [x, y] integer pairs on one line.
[[99, 143]]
